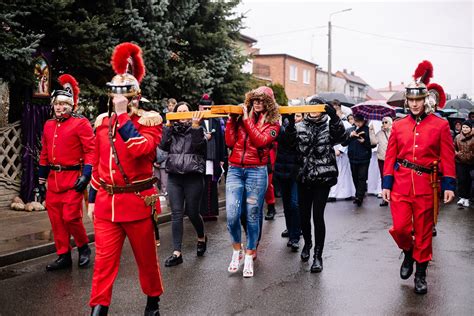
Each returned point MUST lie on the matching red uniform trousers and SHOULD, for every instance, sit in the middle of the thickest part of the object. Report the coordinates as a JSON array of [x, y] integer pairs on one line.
[[109, 238], [65, 215], [270, 194], [413, 213]]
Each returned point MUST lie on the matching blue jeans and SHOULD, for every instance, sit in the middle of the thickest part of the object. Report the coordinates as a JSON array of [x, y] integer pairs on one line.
[[245, 187], [289, 196]]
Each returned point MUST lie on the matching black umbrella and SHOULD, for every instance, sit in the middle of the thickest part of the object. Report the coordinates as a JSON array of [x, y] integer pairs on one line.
[[459, 104], [397, 99], [344, 99]]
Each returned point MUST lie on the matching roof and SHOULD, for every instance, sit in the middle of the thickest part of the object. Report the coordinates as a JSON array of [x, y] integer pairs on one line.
[[394, 88], [285, 55], [352, 78], [247, 39], [373, 94]]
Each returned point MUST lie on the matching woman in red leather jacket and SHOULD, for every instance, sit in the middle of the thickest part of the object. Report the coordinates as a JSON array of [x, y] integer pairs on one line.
[[249, 137]]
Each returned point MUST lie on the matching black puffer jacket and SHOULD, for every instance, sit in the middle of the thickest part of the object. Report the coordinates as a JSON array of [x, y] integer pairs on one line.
[[285, 164], [316, 158], [186, 147]]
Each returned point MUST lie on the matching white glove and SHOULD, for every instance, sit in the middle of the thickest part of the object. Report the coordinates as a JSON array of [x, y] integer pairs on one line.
[[90, 211]]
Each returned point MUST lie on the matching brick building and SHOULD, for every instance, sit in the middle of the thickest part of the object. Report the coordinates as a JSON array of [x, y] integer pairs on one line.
[[297, 76]]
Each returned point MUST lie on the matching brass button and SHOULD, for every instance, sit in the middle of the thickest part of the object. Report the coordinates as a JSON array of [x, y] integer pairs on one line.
[[55, 135]]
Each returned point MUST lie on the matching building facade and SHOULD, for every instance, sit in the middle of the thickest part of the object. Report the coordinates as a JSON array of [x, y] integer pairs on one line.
[[297, 76], [355, 86]]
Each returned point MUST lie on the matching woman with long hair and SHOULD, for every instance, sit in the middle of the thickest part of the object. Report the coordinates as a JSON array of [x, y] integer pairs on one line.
[[249, 137]]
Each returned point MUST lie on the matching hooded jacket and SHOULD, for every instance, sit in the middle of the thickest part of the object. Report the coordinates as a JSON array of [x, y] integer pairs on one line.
[[250, 140]]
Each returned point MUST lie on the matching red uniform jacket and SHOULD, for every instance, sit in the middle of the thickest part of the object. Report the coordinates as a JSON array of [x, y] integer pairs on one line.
[[135, 140], [250, 142], [421, 143], [66, 143]]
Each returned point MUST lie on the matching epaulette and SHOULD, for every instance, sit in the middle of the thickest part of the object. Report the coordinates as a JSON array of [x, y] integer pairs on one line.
[[99, 119], [149, 118]]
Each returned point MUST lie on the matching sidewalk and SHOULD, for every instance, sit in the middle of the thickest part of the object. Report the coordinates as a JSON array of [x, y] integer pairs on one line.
[[28, 235]]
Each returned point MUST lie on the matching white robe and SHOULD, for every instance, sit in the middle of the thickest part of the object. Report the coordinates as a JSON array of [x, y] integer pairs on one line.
[[374, 185]]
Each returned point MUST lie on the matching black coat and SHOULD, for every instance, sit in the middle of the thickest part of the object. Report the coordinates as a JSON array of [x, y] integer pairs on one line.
[[359, 153], [186, 147], [314, 144], [285, 164]]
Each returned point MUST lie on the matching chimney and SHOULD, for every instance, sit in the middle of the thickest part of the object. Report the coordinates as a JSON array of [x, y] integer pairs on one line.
[[345, 71], [389, 86], [352, 73]]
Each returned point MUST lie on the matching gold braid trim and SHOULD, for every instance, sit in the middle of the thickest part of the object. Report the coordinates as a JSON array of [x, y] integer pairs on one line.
[[99, 119], [149, 118]]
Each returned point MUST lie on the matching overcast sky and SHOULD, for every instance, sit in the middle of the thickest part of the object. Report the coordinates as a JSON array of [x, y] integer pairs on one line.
[[299, 28]]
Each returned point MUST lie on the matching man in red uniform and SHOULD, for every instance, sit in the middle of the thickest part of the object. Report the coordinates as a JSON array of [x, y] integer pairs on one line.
[[122, 194], [66, 165], [417, 143]]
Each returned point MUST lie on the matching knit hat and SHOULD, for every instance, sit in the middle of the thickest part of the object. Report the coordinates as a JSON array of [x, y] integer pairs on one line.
[[205, 100], [467, 123], [265, 90]]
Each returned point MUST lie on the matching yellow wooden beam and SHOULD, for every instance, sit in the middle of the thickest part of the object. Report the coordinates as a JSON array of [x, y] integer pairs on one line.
[[224, 110]]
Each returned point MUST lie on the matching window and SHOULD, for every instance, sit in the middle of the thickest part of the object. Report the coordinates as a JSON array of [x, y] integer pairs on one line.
[[306, 76], [361, 92], [293, 73], [351, 91]]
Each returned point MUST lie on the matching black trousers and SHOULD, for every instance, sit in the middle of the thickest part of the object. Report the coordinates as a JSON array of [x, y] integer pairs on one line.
[[360, 174], [210, 199], [313, 198], [463, 175], [185, 192]]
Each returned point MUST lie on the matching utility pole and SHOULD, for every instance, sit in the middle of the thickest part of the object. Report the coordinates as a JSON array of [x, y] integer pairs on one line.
[[330, 48]]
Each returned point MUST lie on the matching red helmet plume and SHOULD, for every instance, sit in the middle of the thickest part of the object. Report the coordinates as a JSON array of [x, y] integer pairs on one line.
[[438, 93], [70, 83], [127, 57], [424, 71]]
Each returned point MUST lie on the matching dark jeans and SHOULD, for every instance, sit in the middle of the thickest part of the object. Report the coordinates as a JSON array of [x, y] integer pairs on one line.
[[360, 174], [315, 197], [185, 192], [289, 196], [463, 174], [209, 201]]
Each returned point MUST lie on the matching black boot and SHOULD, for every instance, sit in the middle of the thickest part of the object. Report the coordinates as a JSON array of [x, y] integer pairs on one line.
[[270, 212], [407, 265], [435, 232], [420, 278], [152, 306], [317, 265], [84, 256], [201, 247], [64, 261], [99, 310], [173, 260], [306, 250]]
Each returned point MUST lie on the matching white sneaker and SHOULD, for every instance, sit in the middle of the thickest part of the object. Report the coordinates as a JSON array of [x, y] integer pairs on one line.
[[248, 266], [234, 265], [461, 202], [466, 203]]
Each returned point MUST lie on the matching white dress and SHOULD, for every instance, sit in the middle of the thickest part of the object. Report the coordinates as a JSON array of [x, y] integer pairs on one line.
[[344, 187], [373, 182]]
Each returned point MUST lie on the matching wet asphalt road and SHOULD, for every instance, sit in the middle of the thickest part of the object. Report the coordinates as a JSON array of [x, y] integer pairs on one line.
[[360, 277]]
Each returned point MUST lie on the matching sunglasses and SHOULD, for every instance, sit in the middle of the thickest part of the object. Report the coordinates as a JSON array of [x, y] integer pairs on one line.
[[384, 122]]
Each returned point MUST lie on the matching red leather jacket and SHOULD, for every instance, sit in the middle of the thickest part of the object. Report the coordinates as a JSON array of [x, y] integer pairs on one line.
[[250, 142]]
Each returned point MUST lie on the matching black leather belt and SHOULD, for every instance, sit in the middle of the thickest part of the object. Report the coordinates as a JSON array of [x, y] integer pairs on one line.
[[64, 168], [419, 169], [136, 187]]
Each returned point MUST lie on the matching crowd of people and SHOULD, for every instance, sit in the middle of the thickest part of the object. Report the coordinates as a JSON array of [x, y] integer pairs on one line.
[[313, 158]]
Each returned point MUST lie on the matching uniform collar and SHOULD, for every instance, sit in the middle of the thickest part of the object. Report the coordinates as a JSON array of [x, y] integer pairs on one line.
[[418, 118]]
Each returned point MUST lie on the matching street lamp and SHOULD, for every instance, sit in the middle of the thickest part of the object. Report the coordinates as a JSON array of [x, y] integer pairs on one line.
[[329, 47]]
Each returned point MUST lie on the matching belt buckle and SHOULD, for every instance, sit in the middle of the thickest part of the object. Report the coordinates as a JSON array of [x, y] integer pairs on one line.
[[109, 189], [405, 163], [59, 168]]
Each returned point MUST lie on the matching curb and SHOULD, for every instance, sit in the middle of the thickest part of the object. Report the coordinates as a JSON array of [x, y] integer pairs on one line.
[[49, 248]]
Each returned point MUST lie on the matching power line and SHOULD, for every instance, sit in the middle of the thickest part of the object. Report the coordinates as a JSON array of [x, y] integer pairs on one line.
[[293, 31], [402, 39]]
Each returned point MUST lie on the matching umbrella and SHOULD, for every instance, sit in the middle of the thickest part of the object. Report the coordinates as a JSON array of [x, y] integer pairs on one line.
[[331, 96], [459, 104], [397, 99], [446, 112], [373, 110]]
